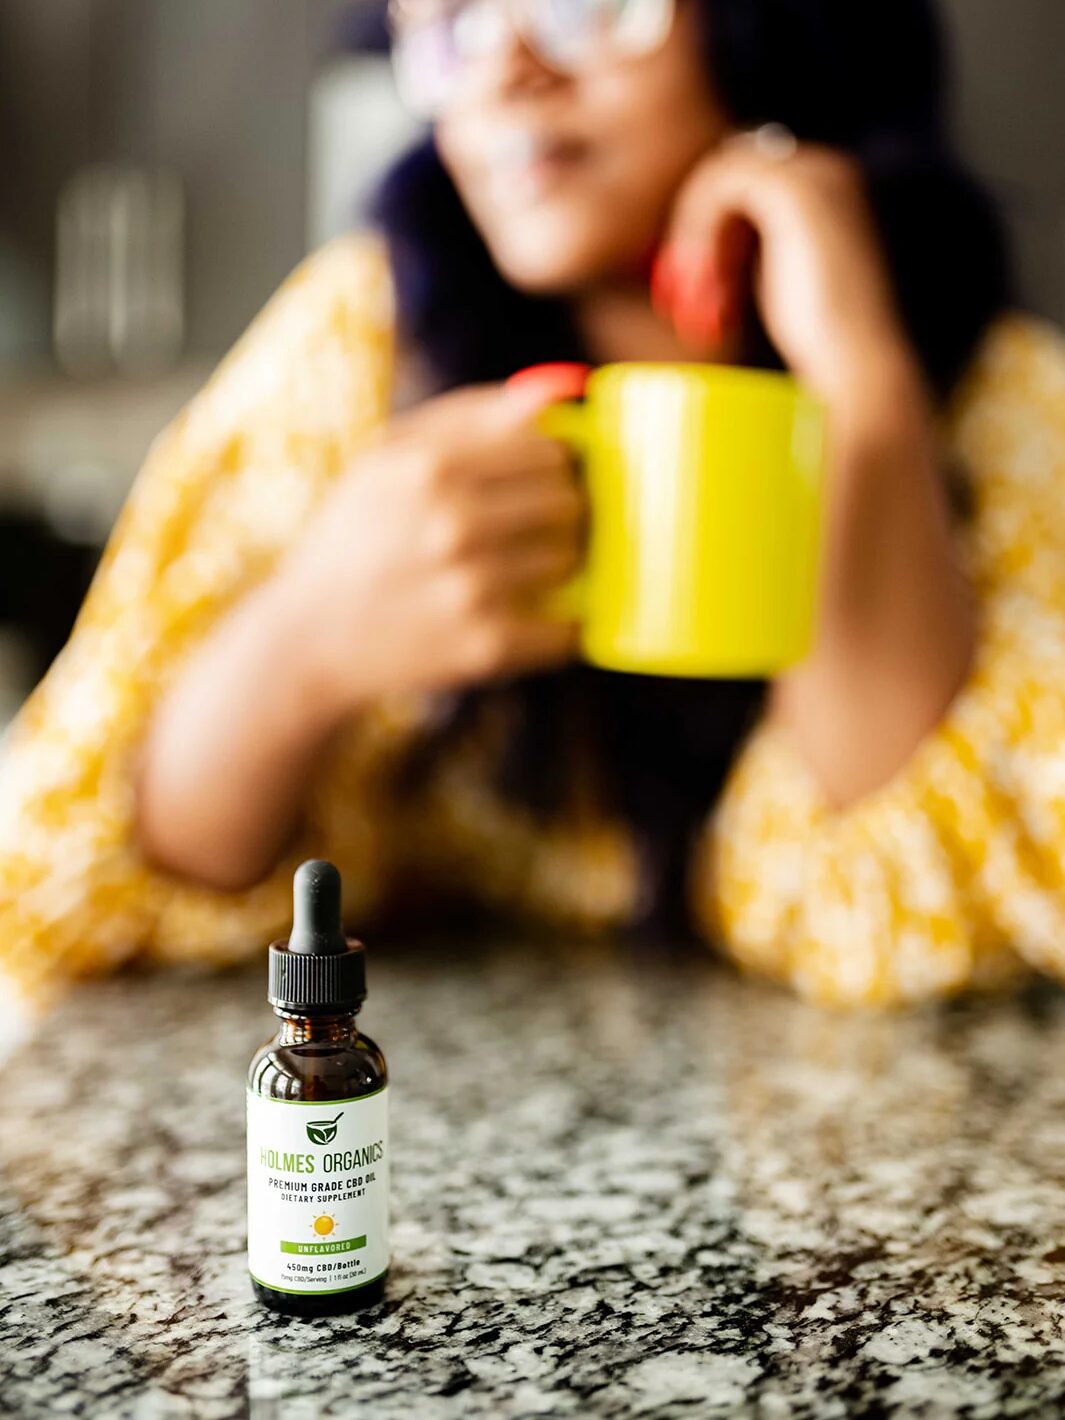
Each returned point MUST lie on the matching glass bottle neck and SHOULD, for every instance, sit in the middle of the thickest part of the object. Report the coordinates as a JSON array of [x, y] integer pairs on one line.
[[299, 1030]]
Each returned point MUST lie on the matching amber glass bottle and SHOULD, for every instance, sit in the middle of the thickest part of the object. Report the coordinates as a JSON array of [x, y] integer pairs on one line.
[[318, 1122]]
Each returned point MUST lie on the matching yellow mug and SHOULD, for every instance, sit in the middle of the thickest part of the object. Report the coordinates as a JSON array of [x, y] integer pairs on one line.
[[705, 486]]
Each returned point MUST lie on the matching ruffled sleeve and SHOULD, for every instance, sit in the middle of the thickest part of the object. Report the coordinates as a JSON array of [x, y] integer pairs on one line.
[[953, 873], [223, 491]]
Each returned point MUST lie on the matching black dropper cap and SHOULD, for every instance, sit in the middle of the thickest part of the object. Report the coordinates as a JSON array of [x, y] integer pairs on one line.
[[318, 968]]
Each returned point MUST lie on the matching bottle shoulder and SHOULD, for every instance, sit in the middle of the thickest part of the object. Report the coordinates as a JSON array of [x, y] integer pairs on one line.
[[318, 1070]]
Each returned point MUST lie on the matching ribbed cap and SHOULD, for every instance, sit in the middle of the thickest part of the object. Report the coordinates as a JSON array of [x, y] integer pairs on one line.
[[318, 968]]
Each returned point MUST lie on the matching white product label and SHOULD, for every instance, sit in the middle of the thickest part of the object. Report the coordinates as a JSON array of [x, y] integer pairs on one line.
[[318, 1192]]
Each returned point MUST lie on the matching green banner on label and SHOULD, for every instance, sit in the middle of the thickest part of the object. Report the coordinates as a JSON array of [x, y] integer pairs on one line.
[[315, 1249]]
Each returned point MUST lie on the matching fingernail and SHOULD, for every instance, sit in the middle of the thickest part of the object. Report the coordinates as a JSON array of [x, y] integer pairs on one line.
[[681, 267], [560, 379], [698, 315], [700, 330], [693, 278]]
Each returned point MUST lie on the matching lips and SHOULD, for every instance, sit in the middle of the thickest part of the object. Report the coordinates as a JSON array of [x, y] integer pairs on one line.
[[524, 164]]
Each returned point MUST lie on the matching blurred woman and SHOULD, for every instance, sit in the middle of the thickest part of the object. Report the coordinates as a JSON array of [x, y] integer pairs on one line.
[[315, 629]]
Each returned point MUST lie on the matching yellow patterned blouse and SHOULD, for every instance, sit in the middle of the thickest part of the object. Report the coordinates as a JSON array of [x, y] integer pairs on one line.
[[951, 875]]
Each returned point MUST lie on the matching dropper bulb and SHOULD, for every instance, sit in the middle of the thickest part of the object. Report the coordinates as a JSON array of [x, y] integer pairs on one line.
[[317, 925]]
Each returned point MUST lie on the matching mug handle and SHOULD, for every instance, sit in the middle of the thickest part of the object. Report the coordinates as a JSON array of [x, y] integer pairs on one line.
[[567, 422]]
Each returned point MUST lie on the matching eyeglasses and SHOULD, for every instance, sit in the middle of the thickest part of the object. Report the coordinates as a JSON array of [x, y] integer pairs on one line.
[[435, 40]]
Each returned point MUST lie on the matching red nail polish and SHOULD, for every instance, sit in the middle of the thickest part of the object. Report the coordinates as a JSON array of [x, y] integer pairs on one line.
[[562, 379], [702, 331], [699, 313], [697, 326]]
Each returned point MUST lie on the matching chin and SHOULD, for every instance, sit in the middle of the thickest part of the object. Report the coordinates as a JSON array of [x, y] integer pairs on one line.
[[541, 277], [537, 258]]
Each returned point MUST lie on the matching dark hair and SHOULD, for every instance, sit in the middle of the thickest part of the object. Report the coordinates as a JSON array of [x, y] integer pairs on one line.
[[865, 78]]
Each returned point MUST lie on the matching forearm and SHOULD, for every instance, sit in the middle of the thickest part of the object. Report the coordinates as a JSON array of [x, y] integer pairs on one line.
[[233, 745], [896, 625]]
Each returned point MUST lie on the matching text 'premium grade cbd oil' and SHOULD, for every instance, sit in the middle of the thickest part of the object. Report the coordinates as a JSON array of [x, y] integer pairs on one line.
[[318, 1121]]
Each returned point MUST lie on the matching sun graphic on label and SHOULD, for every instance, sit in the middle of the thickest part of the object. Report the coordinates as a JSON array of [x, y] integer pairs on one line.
[[323, 1225]]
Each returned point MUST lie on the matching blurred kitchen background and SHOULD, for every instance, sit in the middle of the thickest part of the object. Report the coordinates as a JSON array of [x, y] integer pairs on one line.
[[167, 162]]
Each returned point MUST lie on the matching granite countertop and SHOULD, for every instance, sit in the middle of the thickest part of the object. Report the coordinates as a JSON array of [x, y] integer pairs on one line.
[[623, 1185]]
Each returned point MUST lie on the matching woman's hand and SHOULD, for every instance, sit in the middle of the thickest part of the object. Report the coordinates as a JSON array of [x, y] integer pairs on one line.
[[896, 627], [801, 228], [424, 567]]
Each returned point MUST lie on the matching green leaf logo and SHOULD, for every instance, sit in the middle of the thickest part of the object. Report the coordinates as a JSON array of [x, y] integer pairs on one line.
[[323, 1131]]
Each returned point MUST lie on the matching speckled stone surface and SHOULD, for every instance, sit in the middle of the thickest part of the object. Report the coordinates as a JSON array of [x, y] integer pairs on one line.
[[623, 1186]]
